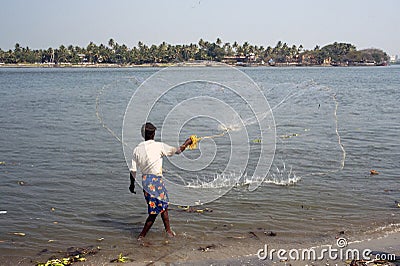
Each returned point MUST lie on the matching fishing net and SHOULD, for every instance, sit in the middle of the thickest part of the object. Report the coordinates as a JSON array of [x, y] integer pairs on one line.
[[238, 130]]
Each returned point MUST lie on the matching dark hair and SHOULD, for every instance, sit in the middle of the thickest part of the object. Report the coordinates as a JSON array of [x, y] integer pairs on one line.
[[148, 131]]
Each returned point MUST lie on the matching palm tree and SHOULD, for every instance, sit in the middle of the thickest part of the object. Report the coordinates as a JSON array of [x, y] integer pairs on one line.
[[278, 46], [61, 54], [202, 53], [111, 43], [228, 49], [17, 53]]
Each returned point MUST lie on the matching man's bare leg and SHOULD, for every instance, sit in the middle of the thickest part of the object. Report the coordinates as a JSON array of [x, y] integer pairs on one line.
[[148, 224], [165, 218]]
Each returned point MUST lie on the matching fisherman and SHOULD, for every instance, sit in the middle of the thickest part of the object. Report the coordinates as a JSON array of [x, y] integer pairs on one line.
[[148, 157]]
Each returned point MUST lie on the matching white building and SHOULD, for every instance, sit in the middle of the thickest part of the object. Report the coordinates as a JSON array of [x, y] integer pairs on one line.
[[394, 58]]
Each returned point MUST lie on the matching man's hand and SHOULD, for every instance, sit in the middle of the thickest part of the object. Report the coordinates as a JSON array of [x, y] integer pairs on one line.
[[184, 145], [132, 176], [132, 188]]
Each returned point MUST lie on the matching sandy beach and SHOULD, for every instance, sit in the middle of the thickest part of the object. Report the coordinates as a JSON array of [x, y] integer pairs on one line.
[[241, 250]]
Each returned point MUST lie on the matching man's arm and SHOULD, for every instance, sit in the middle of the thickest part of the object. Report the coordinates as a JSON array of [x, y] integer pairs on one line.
[[132, 178], [184, 146]]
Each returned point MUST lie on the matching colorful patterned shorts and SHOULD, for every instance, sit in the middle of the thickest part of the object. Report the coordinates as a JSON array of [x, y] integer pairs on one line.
[[155, 193]]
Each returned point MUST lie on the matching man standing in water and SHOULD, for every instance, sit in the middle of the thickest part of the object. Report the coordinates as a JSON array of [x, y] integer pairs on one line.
[[148, 157]]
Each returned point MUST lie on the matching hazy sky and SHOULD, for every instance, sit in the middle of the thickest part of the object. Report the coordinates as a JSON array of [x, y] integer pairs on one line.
[[50, 23]]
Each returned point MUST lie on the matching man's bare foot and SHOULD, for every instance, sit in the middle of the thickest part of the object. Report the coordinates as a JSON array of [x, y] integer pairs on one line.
[[140, 238], [171, 233]]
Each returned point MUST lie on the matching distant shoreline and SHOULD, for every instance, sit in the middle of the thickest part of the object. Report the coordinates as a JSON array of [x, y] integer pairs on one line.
[[162, 65]]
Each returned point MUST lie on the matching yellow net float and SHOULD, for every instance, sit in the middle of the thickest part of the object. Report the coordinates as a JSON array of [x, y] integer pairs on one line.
[[195, 140]]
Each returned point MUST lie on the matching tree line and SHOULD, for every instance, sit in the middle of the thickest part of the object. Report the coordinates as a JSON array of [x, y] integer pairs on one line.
[[234, 53]]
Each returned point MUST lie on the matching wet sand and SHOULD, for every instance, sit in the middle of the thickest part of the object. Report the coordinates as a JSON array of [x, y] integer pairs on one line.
[[232, 251]]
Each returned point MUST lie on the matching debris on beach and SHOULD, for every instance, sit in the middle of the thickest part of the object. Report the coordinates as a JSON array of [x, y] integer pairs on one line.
[[397, 203], [72, 255], [374, 262], [207, 248], [270, 233], [374, 172], [42, 251], [237, 237], [267, 233], [340, 234], [121, 259], [62, 261], [253, 235]]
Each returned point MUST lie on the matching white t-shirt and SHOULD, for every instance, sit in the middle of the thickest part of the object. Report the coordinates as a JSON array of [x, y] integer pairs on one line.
[[148, 157]]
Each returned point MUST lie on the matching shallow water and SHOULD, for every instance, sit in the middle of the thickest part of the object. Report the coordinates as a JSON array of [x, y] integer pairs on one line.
[[75, 188]]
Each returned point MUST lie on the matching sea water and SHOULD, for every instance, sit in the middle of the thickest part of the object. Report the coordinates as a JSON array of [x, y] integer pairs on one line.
[[64, 181]]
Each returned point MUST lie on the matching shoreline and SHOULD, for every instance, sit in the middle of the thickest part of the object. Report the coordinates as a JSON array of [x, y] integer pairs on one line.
[[240, 251], [163, 65]]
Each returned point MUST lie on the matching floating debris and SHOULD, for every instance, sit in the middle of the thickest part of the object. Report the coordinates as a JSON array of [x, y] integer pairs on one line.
[[289, 136], [122, 259], [9, 163], [194, 210], [374, 172], [397, 203], [52, 209], [21, 183], [100, 239], [256, 141], [3, 212], [19, 234]]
